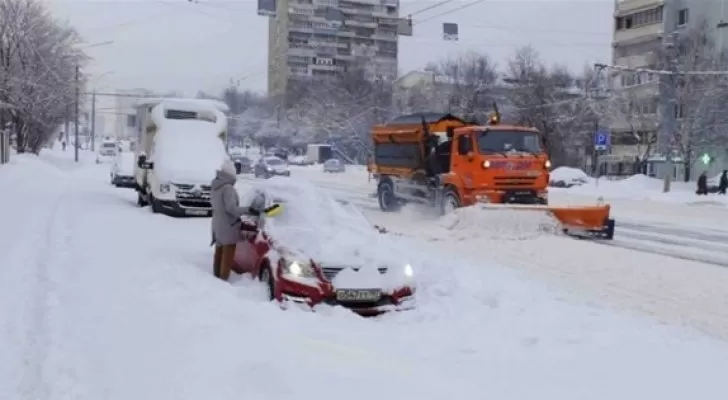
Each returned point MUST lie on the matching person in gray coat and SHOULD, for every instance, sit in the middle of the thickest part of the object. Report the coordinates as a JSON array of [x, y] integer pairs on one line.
[[226, 223]]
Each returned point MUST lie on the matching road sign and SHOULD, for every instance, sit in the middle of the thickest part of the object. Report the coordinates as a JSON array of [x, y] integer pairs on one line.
[[601, 140]]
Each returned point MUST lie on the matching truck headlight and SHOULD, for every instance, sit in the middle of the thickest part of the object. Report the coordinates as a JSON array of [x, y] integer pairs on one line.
[[547, 164], [408, 271], [164, 188], [486, 164], [299, 269]]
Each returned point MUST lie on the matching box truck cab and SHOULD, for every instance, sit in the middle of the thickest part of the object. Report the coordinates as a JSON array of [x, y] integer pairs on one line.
[[180, 145]]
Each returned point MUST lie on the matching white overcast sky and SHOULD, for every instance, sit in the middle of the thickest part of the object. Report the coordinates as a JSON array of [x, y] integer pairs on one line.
[[177, 45]]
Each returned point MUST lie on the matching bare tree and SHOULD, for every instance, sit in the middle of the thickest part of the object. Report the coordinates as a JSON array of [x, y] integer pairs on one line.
[[547, 99], [471, 78], [37, 67], [701, 115]]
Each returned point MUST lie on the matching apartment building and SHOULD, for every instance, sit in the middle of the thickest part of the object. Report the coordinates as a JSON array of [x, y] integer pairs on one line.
[[316, 39]]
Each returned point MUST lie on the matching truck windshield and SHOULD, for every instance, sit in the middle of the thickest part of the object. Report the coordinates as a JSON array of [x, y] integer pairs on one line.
[[494, 141]]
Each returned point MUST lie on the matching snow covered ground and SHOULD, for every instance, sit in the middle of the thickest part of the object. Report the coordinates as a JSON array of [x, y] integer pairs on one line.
[[100, 299]]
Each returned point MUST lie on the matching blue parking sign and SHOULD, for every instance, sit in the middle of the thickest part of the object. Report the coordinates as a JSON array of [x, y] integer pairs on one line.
[[601, 140]]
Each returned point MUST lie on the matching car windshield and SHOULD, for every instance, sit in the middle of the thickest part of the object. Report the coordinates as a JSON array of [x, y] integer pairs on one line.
[[109, 145], [496, 141], [274, 161]]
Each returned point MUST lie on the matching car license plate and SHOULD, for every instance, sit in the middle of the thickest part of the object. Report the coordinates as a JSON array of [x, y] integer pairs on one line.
[[196, 212], [363, 295]]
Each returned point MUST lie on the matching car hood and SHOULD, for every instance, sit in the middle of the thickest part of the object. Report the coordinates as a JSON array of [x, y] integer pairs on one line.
[[359, 255]]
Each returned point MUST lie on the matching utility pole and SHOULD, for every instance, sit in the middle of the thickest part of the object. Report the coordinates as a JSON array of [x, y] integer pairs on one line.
[[93, 121], [668, 90], [76, 116], [65, 128]]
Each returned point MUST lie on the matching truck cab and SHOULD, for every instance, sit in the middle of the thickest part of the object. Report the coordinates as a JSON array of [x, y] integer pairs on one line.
[[498, 163]]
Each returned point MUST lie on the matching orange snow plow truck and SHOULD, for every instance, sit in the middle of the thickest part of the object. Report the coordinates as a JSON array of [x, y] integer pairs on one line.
[[447, 162]]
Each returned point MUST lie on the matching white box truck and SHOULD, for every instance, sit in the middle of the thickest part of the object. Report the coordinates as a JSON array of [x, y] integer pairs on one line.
[[318, 153], [180, 145]]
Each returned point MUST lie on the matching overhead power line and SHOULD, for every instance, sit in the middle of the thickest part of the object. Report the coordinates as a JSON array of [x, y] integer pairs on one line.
[[442, 3], [448, 12]]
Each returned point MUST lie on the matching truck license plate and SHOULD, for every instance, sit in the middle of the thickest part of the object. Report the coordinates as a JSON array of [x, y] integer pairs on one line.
[[196, 212], [362, 295]]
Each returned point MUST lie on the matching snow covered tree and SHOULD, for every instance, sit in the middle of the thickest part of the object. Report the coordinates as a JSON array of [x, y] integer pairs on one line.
[[702, 119], [38, 64], [544, 98], [471, 79]]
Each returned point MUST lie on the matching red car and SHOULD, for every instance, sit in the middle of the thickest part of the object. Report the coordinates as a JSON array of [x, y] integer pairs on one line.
[[305, 257]]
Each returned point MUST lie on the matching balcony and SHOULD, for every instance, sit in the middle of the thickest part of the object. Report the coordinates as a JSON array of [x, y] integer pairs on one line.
[[628, 5], [301, 28], [361, 24], [638, 33], [385, 36], [391, 3]]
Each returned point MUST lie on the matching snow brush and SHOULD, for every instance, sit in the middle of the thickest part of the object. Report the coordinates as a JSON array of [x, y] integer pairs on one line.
[[273, 210]]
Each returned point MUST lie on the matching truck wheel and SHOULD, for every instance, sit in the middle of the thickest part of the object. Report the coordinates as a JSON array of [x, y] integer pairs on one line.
[[154, 203], [450, 202], [385, 194]]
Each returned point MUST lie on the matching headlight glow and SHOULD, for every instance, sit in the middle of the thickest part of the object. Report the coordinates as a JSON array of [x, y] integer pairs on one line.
[[164, 188], [548, 164], [408, 271], [298, 269], [486, 164]]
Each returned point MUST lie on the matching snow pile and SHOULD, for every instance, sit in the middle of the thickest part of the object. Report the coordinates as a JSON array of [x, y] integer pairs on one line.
[[187, 151], [126, 162], [567, 177], [486, 222], [313, 225]]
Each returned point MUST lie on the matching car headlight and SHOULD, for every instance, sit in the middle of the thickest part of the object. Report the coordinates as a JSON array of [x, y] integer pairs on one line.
[[408, 271], [299, 269], [164, 188]]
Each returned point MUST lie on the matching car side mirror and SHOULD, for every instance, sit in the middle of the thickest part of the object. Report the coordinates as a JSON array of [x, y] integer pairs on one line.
[[471, 156]]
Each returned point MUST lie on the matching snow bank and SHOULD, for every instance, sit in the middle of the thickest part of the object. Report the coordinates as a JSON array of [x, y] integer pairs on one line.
[[126, 163], [188, 151], [479, 221]]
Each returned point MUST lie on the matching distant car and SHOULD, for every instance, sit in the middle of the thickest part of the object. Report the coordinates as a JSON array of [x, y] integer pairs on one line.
[[109, 149], [299, 260], [334, 165], [298, 160], [271, 166], [122, 170]]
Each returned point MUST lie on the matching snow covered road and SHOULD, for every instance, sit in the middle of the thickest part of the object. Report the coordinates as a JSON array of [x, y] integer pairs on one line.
[[100, 299]]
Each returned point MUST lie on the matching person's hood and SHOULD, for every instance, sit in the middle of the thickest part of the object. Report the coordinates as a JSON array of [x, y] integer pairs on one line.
[[221, 179]]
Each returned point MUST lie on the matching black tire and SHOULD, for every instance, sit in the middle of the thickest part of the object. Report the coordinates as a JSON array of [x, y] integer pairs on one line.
[[385, 196], [266, 277], [450, 201], [140, 200], [154, 203]]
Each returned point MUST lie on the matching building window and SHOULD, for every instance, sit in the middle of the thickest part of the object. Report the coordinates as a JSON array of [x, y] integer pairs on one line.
[[131, 121], [682, 17]]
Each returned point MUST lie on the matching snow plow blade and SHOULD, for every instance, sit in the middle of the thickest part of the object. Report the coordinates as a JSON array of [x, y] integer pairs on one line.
[[580, 221]]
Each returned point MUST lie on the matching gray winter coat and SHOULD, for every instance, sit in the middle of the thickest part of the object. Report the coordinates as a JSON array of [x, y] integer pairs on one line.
[[226, 210]]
